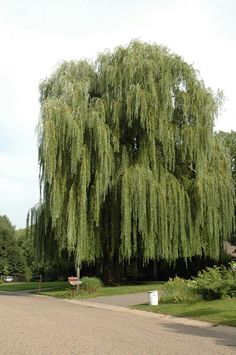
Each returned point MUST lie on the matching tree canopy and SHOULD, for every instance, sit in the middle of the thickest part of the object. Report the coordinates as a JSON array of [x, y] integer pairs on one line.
[[11, 257], [229, 140], [129, 164]]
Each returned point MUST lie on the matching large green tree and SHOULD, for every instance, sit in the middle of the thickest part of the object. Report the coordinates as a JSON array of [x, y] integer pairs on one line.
[[129, 164], [11, 256]]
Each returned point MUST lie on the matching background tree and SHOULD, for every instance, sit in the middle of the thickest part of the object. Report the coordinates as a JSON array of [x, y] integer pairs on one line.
[[50, 270], [229, 141], [129, 164], [11, 257]]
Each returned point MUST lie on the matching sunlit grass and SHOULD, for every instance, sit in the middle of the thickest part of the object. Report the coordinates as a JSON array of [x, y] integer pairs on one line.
[[24, 286], [62, 289], [105, 291], [218, 311]]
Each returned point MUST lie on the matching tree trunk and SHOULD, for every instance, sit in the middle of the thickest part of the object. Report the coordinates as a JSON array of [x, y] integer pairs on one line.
[[111, 269], [155, 269], [78, 276]]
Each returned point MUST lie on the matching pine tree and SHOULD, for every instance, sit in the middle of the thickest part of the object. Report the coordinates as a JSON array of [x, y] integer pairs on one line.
[[129, 164]]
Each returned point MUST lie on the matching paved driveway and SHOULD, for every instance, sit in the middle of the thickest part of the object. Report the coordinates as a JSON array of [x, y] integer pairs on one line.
[[31, 324], [120, 300]]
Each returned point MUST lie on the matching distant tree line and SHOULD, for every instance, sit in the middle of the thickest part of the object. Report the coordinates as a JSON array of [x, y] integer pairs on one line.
[[18, 257], [12, 259]]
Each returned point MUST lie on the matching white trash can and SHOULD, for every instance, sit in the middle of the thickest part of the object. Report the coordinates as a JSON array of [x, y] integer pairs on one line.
[[153, 298]]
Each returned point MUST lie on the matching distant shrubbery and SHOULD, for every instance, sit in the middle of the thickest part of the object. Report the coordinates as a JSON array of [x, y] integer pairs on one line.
[[90, 284], [212, 283]]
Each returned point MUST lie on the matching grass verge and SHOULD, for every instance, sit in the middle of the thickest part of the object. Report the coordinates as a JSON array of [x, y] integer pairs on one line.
[[104, 291], [27, 286], [218, 311], [62, 289]]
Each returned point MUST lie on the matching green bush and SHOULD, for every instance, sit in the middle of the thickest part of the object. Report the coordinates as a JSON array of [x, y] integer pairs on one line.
[[1, 282], [216, 282], [90, 284], [212, 283], [28, 275], [179, 290]]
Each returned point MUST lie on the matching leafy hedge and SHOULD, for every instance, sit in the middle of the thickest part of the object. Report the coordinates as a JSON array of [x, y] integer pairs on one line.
[[212, 283], [217, 282]]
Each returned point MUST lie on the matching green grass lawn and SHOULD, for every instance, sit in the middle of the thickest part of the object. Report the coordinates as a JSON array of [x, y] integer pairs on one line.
[[217, 311], [105, 291], [24, 286], [62, 289]]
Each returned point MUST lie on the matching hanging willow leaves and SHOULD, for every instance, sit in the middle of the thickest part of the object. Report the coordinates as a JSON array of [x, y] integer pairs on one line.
[[129, 162]]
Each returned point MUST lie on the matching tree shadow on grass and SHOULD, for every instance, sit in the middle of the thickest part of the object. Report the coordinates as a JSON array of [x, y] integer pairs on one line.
[[222, 337], [198, 313]]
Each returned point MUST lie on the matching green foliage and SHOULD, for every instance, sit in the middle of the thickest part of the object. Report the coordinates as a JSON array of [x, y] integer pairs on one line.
[[212, 283], [90, 284], [216, 282], [51, 270], [12, 260], [129, 164], [28, 274], [24, 286], [104, 291], [217, 311], [229, 140], [178, 290], [25, 243]]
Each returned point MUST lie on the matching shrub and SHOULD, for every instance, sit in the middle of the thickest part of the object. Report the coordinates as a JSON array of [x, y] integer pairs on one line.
[[216, 282], [90, 284], [1, 282], [212, 283], [178, 290], [28, 275]]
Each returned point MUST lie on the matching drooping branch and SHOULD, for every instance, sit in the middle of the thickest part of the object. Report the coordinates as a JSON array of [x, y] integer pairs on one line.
[[128, 158]]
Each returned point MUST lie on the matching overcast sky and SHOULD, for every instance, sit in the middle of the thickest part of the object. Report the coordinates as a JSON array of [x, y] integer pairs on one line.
[[36, 35]]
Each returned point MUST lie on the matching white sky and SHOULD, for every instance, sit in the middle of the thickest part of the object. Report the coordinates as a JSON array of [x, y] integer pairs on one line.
[[35, 35]]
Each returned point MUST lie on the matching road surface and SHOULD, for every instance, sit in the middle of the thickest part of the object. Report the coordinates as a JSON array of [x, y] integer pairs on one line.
[[37, 325]]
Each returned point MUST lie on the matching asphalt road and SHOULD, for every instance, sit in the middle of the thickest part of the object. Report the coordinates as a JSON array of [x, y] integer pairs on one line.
[[39, 325]]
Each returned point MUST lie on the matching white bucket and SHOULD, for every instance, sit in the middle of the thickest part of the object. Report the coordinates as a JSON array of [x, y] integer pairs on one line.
[[153, 298]]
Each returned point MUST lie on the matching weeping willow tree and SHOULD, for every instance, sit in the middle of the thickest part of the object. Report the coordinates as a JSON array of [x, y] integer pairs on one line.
[[229, 141], [129, 164]]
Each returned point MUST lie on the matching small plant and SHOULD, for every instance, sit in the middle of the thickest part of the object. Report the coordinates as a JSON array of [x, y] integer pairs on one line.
[[90, 284], [28, 275], [178, 290]]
